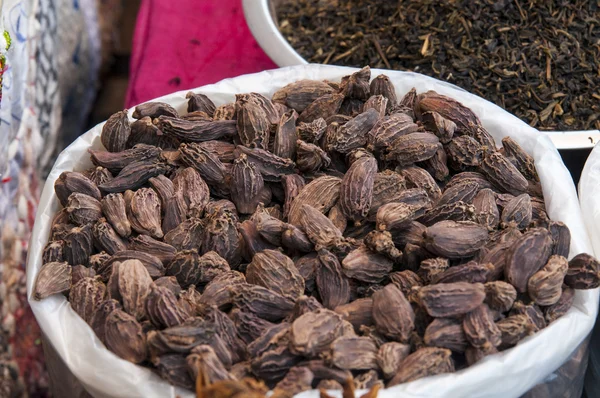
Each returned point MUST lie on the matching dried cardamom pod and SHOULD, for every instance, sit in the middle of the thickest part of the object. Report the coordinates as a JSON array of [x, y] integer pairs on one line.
[[174, 369], [225, 112], [253, 125], [471, 272], [311, 132], [277, 272], [102, 311], [273, 364], [117, 161], [451, 299], [358, 312], [113, 208], [312, 333], [322, 193], [81, 271], [115, 132], [561, 237], [97, 261], [417, 177], [85, 297], [323, 106], [253, 241], [298, 95], [124, 336], [162, 308], [439, 125], [185, 266], [357, 85], [389, 357], [134, 176], [161, 250], [487, 213], [130, 283], [297, 380], [533, 312], [353, 134], [271, 167], [431, 268], [405, 280], [196, 130], [181, 338], [154, 110], [250, 327], [319, 229], [427, 361], [83, 209], [514, 328], [187, 235], [583, 272], [392, 314], [246, 184], [412, 148], [502, 173], [144, 212], [98, 175], [377, 102], [366, 266], [522, 160], [261, 301], [353, 353], [223, 149], [333, 286], [53, 252], [310, 158], [106, 238], [356, 190], [398, 215], [446, 333], [455, 211], [480, 329], [221, 236], [517, 213], [382, 85], [189, 184], [464, 152], [208, 165], [545, 286], [455, 239], [200, 102], [78, 245], [170, 283], [381, 242], [561, 307], [526, 256], [217, 291], [500, 296], [474, 355], [284, 144], [437, 165], [387, 129], [53, 278]]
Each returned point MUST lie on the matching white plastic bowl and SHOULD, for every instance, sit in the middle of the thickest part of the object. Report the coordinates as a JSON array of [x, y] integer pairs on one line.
[[259, 16]]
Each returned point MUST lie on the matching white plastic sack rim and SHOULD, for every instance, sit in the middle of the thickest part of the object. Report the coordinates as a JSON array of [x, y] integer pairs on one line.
[[508, 374]]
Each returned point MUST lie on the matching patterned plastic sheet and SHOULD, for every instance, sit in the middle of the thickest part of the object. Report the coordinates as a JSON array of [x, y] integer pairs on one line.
[[40, 101]]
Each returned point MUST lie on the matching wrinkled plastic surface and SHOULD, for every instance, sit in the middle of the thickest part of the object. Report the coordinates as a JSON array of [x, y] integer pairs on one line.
[[589, 198], [508, 374]]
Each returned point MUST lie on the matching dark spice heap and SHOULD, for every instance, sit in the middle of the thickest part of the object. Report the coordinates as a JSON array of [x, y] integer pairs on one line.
[[539, 60], [332, 235]]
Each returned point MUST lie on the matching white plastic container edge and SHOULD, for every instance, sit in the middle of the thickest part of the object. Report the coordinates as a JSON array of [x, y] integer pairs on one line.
[[589, 199], [508, 374]]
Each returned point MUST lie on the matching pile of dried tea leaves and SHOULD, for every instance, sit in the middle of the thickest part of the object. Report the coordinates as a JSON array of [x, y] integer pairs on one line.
[[331, 233], [539, 60]]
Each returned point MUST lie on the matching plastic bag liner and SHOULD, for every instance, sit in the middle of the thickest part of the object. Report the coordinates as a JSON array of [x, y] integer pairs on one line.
[[508, 374], [589, 198]]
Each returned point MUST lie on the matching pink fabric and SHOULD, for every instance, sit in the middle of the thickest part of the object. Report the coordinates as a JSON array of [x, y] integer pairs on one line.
[[181, 44]]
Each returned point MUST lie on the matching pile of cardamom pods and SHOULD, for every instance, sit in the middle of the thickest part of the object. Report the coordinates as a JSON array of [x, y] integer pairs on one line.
[[332, 232]]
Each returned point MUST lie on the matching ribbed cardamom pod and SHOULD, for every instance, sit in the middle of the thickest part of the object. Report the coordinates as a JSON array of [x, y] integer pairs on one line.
[[144, 212], [357, 85], [480, 329], [382, 85], [502, 173], [426, 361], [526, 256], [313, 332], [392, 314], [124, 337], [253, 125], [333, 286], [204, 361], [446, 333], [272, 167], [389, 357], [161, 250], [200, 102], [221, 236], [98, 175], [366, 266], [217, 291], [162, 308], [189, 184], [417, 177], [185, 267], [322, 107], [187, 235], [106, 239], [79, 272], [246, 184], [412, 148], [134, 176], [451, 299], [195, 130], [353, 134], [130, 283], [115, 132], [85, 297], [103, 310], [117, 161], [356, 190], [113, 208], [53, 252], [439, 125], [277, 272], [322, 193], [207, 164], [517, 213], [388, 129], [261, 301], [154, 109], [377, 102], [83, 209], [310, 158], [298, 95], [455, 239], [225, 112], [545, 286], [311, 132], [583, 272], [78, 245], [211, 265], [53, 278]]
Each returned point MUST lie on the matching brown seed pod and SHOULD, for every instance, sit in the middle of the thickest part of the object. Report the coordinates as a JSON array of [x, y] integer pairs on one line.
[[583, 272], [545, 286], [392, 314], [115, 132], [526, 256], [382, 85], [451, 299], [356, 190], [298, 95], [277, 272], [427, 361], [455, 239], [53, 278]]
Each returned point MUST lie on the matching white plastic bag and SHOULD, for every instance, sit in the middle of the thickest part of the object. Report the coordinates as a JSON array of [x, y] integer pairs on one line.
[[508, 374], [589, 198]]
